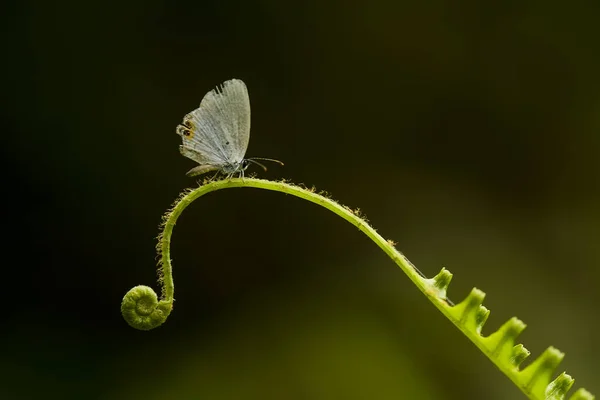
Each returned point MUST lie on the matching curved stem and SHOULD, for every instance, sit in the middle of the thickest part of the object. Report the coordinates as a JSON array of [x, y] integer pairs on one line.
[[352, 216]]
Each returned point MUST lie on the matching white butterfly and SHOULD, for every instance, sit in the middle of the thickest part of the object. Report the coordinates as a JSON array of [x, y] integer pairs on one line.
[[216, 134]]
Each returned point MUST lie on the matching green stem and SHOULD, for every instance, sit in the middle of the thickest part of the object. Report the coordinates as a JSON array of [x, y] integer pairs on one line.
[[142, 309]]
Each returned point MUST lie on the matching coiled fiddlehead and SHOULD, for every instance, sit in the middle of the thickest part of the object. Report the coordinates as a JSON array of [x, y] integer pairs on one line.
[[142, 310]]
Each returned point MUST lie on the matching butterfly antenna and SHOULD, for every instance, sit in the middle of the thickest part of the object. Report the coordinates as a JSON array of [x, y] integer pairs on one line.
[[265, 159], [256, 162]]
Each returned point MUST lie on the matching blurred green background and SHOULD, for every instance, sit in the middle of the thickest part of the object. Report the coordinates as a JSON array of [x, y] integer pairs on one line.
[[466, 131]]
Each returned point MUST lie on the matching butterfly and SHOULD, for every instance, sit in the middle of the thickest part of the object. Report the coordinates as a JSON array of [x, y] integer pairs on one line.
[[216, 134]]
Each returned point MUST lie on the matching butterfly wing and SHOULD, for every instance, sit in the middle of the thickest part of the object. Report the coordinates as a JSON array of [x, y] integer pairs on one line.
[[217, 133]]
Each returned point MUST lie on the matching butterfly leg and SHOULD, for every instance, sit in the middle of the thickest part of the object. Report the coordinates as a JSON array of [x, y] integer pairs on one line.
[[214, 176]]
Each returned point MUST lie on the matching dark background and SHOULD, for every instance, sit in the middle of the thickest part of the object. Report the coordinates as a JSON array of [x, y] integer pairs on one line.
[[467, 132]]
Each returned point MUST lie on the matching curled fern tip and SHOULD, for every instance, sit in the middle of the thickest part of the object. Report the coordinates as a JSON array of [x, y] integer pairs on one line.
[[142, 309]]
